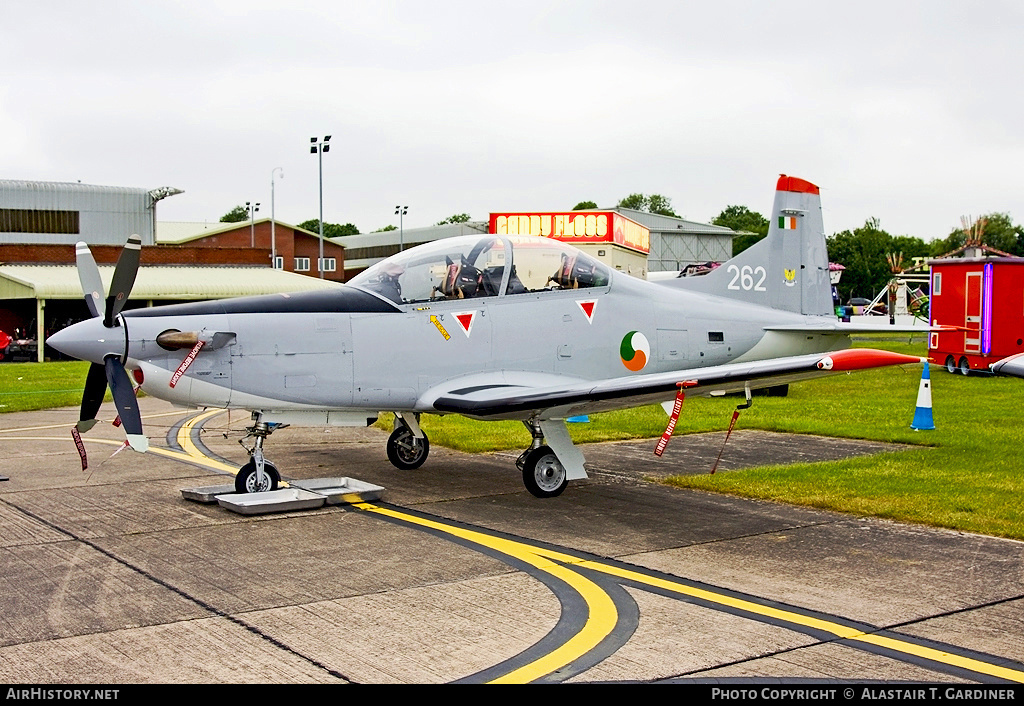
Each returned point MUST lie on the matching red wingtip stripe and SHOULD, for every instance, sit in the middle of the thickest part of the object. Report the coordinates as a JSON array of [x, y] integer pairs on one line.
[[796, 184]]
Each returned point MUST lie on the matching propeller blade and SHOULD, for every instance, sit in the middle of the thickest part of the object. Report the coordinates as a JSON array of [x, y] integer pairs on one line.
[[124, 279], [92, 398], [89, 276], [124, 400]]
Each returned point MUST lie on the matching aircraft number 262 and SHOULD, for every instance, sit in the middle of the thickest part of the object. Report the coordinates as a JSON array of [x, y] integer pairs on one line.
[[744, 278]]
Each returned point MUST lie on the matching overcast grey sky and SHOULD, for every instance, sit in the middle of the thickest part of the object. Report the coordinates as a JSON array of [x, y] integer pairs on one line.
[[910, 112]]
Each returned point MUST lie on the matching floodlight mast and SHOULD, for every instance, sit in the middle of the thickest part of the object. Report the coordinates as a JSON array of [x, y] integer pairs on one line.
[[273, 218], [400, 211], [252, 209], [318, 147]]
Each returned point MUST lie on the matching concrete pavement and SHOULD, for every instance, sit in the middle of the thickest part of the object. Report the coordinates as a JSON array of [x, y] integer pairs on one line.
[[109, 576]]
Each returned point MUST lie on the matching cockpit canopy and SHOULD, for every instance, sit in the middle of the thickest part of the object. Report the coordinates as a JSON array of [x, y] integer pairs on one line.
[[489, 266]]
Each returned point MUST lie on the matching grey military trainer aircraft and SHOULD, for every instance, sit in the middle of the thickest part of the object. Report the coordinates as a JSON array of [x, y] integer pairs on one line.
[[490, 327], [1012, 366]]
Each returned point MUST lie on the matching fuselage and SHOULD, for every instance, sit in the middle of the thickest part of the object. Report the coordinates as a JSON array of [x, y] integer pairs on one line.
[[357, 349]]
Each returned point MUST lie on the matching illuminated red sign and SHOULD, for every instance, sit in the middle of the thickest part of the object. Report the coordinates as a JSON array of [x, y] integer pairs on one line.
[[576, 227]]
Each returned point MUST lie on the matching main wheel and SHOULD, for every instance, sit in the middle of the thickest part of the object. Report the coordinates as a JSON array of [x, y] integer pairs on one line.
[[965, 366], [543, 474], [950, 364], [405, 451], [245, 481]]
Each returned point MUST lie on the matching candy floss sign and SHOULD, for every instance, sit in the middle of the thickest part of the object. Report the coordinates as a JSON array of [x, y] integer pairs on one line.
[[575, 227]]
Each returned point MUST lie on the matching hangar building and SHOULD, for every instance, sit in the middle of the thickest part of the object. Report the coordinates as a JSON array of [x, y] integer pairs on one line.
[[48, 212]]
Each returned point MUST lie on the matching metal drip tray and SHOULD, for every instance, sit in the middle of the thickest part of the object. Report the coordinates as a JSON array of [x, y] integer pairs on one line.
[[207, 494], [297, 495], [341, 491], [281, 500]]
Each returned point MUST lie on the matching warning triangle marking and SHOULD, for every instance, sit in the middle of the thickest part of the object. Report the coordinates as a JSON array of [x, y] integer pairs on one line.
[[587, 307], [465, 320]]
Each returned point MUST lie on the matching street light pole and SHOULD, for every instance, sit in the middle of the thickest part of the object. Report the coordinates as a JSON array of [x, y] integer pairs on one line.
[[400, 211], [319, 147], [273, 235], [252, 208]]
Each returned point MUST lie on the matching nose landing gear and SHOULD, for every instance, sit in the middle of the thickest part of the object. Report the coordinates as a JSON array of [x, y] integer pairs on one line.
[[258, 475]]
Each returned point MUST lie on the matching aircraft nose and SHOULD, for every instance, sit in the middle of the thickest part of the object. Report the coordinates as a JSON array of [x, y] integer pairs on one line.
[[89, 340]]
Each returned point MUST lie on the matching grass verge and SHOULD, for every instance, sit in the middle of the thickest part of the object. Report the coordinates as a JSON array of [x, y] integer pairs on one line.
[[28, 386]]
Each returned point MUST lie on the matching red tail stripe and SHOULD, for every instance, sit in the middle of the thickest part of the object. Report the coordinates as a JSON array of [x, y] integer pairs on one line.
[[800, 186]]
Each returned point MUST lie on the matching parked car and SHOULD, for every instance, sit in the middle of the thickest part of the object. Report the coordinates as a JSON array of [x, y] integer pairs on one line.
[[860, 306], [5, 346], [22, 350]]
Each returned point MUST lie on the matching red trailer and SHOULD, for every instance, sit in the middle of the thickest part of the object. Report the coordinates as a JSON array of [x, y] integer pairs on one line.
[[982, 300]]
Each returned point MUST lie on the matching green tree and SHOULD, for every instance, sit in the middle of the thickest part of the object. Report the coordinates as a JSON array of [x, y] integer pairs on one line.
[[386, 228], [751, 225], [863, 252], [655, 203], [331, 230], [662, 205], [584, 205], [457, 218], [235, 215], [999, 232], [637, 202]]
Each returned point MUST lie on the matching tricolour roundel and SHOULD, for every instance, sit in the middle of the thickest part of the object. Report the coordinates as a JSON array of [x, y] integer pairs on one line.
[[635, 351]]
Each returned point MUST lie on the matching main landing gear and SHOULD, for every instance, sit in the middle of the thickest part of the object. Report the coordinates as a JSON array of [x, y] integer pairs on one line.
[[258, 475], [543, 474], [407, 446]]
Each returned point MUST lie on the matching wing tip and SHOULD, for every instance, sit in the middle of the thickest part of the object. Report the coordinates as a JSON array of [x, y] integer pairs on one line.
[[865, 358]]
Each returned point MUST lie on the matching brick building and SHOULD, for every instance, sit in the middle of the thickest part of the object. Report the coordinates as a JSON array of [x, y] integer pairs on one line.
[[297, 250]]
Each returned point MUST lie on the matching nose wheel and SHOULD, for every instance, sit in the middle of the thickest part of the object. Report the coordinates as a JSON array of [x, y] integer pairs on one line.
[[249, 480], [258, 475]]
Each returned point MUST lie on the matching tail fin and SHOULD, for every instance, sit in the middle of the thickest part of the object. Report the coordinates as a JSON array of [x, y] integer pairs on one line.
[[787, 270]]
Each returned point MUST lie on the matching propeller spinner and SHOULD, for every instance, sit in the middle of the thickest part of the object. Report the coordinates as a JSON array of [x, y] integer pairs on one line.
[[91, 340]]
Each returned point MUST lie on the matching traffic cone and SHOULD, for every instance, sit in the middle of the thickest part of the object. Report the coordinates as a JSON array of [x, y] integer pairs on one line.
[[923, 414]]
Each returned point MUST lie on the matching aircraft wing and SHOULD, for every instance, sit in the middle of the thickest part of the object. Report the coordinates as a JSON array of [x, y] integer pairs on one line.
[[501, 398]]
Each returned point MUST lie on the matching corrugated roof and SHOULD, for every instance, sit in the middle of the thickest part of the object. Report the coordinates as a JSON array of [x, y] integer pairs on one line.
[[655, 221], [177, 232], [61, 282], [67, 186], [411, 236]]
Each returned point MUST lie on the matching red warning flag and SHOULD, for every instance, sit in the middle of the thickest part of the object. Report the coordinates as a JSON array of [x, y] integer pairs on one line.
[[674, 417]]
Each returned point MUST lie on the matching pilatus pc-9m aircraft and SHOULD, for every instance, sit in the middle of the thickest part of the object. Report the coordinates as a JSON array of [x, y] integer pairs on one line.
[[486, 326]]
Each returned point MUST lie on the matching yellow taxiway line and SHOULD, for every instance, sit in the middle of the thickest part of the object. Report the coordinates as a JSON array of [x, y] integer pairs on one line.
[[602, 618], [603, 614]]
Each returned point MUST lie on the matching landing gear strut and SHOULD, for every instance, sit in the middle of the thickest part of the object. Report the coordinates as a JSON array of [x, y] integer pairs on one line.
[[258, 475], [543, 474]]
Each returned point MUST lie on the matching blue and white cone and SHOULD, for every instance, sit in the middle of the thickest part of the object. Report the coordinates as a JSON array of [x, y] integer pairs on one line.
[[923, 414]]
